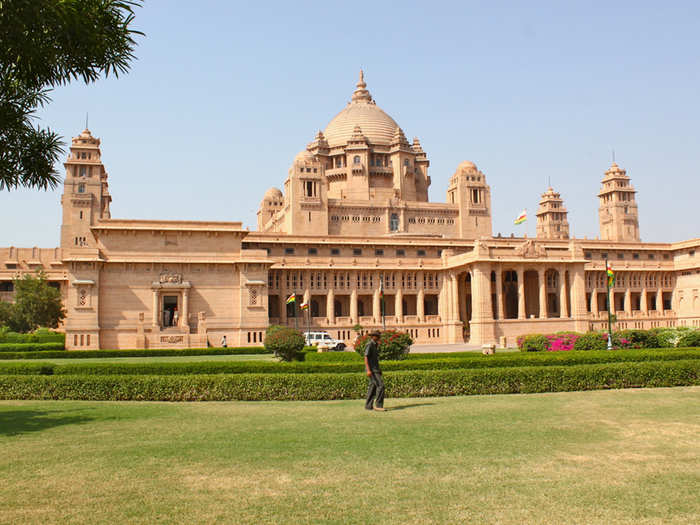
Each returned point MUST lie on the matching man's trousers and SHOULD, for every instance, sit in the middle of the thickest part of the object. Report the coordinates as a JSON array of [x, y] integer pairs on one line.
[[375, 391]]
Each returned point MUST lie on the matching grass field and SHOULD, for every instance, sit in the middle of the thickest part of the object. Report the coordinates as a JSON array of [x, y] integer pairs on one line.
[[623, 456]]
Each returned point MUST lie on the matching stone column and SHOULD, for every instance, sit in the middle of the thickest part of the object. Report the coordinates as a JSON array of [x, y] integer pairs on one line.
[[628, 301], [543, 293], [455, 297], [156, 312], [521, 292], [398, 305], [283, 298], [420, 299], [330, 306], [578, 298], [643, 306], [481, 327], [659, 296], [500, 299], [563, 305], [186, 309], [376, 306], [353, 298], [594, 302]]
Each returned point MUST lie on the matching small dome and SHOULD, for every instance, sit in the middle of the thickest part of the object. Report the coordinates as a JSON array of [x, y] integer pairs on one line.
[[304, 156], [273, 194], [466, 166]]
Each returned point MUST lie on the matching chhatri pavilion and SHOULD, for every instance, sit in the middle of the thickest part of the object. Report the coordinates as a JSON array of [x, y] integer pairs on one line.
[[354, 235]]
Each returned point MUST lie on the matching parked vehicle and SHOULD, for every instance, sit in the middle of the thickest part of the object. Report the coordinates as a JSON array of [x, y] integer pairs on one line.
[[323, 341]]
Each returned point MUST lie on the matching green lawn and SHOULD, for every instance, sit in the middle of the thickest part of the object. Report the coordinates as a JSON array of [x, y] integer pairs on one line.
[[624, 456]]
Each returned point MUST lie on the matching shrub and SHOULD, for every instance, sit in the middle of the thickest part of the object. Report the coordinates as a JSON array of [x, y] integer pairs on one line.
[[690, 338], [34, 351], [284, 342], [29, 347], [41, 335], [562, 341], [533, 343], [258, 387], [591, 341], [392, 344]]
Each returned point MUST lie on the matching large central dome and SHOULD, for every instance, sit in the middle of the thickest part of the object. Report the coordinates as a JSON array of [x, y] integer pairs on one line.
[[362, 111]]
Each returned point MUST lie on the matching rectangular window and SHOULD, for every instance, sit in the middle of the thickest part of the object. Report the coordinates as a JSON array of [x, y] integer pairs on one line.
[[289, 251], [400, 253], [651, 256], [378, 252], [665, 256], [635, 256], [335, 251], [588, 255], [620, 255], [356, 251], [313, 251], [604, 255], [421, 253]]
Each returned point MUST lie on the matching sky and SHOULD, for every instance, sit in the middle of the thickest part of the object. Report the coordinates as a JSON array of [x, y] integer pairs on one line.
[[224, 94]]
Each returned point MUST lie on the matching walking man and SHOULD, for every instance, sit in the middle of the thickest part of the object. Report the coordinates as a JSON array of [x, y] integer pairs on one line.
[[375, 391]]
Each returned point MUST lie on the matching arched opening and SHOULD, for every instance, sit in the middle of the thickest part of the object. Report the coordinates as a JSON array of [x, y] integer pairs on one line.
[[510, 294], [532, 294], [552, 284]]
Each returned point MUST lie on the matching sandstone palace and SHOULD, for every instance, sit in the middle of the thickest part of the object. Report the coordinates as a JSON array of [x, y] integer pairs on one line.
[[352, 230]]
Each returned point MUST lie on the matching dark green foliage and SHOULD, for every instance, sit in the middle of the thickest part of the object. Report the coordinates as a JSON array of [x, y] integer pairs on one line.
[[393, 344], [36, 304], [690, 338], [45, 43], [534, 343], [80, 354], [285, 342], [41, 335], [30, 347], [591, 341], [513, 360], [261, 387]]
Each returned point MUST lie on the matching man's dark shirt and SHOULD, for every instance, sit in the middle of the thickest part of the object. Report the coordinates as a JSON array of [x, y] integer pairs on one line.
[[372, 355]]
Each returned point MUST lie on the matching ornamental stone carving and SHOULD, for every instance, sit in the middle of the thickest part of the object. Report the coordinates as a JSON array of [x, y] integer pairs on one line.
[[167, 277], [530, 249]]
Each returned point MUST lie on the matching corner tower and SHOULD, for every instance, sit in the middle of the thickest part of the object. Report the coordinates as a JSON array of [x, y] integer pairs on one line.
[[618, 213], [469, 191], [86, 197], [552, 222]]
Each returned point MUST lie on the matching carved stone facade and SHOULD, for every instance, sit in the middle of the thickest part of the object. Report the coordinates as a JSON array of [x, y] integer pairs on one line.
[[354, 234]]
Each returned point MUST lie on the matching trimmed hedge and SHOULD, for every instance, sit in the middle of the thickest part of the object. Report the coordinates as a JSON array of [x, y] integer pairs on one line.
[[30, 347], [42, 335], [267, 367], [78, 354], [266, 387]]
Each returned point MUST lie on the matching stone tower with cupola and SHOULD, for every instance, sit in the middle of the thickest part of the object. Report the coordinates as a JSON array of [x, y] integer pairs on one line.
[[86, 197], [552, 222], [469, 191], [618, 213]]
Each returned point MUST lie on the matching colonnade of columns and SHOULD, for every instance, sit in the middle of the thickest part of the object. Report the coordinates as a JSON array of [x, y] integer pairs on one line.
[[627, 307]]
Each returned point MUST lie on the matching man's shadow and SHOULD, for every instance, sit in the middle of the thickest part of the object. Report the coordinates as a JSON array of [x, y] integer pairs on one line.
[[403, 407]]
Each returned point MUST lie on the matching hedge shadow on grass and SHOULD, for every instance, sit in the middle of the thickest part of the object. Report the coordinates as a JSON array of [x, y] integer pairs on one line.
[[15, 422]]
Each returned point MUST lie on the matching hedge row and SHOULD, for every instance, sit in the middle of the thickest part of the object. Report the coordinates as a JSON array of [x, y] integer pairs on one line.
[[266, 387], [78, 354], [42, 335], [271, 367], [30, 347]]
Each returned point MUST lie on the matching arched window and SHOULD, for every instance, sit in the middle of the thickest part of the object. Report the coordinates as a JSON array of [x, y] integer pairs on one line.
[[356, 159], [81, 188]]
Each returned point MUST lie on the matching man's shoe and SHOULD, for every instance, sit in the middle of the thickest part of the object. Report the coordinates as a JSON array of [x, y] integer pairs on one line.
[[369, 408], [380, 409]]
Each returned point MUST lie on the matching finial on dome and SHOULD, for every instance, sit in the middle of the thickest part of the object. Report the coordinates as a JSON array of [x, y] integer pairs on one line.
[[361, 94]]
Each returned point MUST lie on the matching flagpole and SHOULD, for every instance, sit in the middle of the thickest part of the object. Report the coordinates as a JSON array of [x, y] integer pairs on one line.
[[294, 309], [607, 282]]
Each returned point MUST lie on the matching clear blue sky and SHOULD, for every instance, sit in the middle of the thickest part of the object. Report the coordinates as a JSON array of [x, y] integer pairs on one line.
[[224, 94]]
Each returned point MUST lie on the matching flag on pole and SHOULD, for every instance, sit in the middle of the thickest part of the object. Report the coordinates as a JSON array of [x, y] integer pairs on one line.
[[381, 287], [291, 299], [611, 277], [521, 218], [304, 306]]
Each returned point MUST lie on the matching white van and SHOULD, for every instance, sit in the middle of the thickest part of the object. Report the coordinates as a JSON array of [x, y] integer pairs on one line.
[[323, 341]]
